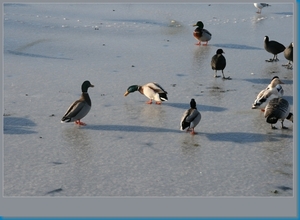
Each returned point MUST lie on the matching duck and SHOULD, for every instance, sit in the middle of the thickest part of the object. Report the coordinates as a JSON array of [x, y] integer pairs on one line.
[[201, 34], [153, 91], [190, 118], [273, 47], [218, 62], [260, 6], [273, 90], [288, 54], [278, 108], [80, 108]]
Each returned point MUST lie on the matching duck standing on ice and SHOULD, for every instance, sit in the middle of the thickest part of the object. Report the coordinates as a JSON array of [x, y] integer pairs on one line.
[[288, 54], [153, 91], [190, 118], [201, 34], [80, 108], [278, 108]]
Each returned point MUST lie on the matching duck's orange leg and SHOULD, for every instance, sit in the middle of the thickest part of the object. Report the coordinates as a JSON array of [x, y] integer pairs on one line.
[[78, 122], [193, 132]]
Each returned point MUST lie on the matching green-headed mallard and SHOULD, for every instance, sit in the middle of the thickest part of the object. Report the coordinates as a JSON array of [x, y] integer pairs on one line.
[[273, 47], [260, 6], [190, 118], [278, 108], [273, 90], [201, 34], [153, 91], [79, 108], [218, 62]]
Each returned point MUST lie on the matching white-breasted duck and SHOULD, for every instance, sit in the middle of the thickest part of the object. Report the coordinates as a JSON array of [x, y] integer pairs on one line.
[[190, 118], [278, 109], [201, 34], [80, 108], [152, 90]]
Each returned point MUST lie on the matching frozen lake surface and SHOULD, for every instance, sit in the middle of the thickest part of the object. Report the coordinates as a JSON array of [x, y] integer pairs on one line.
[[130, 148]]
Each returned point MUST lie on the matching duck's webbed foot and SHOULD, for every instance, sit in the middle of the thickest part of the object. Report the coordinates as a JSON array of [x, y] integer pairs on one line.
[[193, 131]]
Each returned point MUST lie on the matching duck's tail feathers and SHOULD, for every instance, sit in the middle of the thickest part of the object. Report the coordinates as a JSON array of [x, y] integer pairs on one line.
[[184, 125], [290, 117], [163, 96], [65, 120]]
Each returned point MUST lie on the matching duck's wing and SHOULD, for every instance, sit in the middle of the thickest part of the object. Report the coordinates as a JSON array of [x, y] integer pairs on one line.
[[73, 110], [279, 90], [156, 88], [206, 31], [193, 115], [262, 97], [183, 122], [275, 110], [264, 5]]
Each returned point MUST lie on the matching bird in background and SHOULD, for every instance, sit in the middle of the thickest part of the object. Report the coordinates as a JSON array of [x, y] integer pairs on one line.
[[218, 62], [80, 108], [201, 34], [153, 91], [288, 54], [190, 118], [278, 109], [273, 47], [260, 6]]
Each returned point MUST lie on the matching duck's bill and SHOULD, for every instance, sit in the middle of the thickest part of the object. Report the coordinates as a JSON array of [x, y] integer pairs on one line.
[[92, 85], [126, 93]]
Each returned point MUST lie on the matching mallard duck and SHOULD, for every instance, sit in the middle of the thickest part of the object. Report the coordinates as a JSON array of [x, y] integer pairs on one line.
[[201, 34], [260, 6], [273, 90], [278, 108], [190, 118], [288, 54], [79, 108], [273, 47], [218, 62], [152, 90]]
